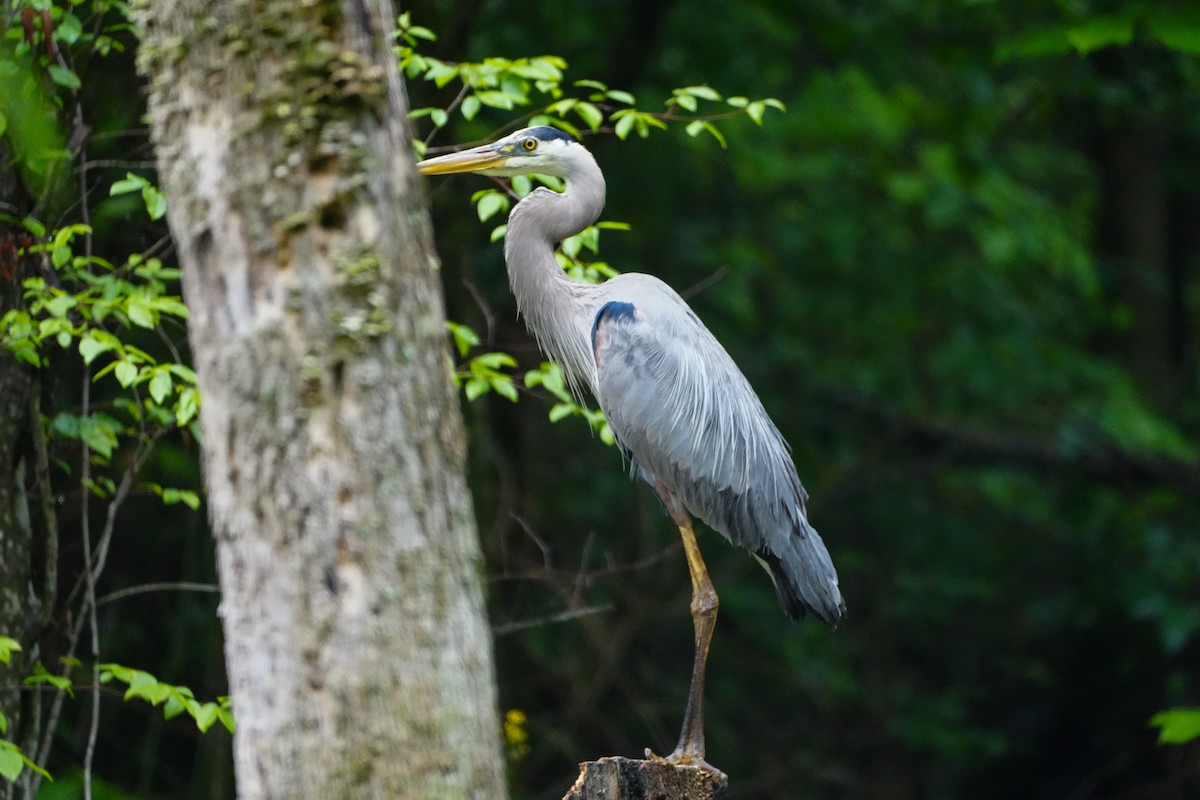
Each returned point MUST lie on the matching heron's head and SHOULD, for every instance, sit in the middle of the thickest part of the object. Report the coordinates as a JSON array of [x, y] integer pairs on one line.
[[542, 150]]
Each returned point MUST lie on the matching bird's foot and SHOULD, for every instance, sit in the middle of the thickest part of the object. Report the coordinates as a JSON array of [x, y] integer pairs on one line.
[[683, 758]]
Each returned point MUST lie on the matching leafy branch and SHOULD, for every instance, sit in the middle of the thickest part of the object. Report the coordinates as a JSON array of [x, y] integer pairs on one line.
[[538, 83]]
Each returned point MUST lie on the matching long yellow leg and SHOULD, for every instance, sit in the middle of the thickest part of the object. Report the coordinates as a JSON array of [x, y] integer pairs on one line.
[[690, 749]]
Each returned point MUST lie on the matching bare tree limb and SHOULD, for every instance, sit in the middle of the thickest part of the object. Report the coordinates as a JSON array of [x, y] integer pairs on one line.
[[1095, 458]]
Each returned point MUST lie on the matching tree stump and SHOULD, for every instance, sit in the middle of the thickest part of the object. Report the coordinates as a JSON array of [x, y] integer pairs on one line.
[[619, 778]]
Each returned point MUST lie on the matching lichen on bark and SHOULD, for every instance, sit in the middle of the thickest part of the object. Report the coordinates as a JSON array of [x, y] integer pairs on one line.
[[359, 657]]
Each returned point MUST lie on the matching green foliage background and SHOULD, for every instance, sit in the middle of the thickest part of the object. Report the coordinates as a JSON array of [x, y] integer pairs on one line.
[[962, 271]]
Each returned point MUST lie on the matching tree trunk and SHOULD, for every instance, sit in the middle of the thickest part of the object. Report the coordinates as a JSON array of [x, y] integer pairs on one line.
[[359, 657], [18, 604], [617, 778], [18, 608]]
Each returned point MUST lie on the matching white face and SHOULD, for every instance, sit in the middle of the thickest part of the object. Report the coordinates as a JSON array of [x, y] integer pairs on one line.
[[523, 153], [544, 151]]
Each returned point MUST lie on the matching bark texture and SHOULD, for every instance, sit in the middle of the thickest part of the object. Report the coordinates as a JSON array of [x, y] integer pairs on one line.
[[18, 604], [617, 778], [359, 657]]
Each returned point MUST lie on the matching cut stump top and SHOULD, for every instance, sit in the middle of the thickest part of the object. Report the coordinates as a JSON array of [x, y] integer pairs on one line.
[[619, 778]]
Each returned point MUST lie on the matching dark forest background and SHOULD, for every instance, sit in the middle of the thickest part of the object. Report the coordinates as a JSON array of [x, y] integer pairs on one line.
[[963, 272]]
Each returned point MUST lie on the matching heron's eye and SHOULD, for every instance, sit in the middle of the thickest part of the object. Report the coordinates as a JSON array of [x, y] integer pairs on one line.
[[530, 144]]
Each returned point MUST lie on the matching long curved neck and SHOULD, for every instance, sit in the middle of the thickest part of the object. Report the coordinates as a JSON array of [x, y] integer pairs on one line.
[[556, 308]]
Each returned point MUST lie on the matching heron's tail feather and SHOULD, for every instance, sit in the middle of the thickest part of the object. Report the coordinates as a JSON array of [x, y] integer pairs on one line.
[[803, 573]]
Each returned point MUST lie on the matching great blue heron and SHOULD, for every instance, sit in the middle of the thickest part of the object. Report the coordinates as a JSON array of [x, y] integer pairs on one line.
[[680, 409]]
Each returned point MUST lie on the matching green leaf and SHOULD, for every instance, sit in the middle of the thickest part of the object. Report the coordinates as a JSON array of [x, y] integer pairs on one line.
[[127, 373], [90, 346], [504, 387], [130, 183], [41, 677], [3, 124], [147, 687], [695, 127], [606, 434], [8, 646], [1035, 43], [69, 29], [170, 305], [686, 102], [590, 115], [1099, 33], [470, 107], [141, 312], [160, 385], [187, 406], [3, 724], [476, 387], [225, 714], [625, 125], [99, 431], [11, 762], [183, 372], [490, 204], [1176, 33], [173, 707], [494, 360], [703, 92], [206, 715], [60, 304], [1177, 726], [172, 496], [561, 410], [464, 337], [63, 77], [33, 226], [156, 202]]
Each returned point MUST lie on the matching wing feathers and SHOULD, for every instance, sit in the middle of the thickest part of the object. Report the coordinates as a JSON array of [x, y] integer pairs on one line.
[[689, 419]]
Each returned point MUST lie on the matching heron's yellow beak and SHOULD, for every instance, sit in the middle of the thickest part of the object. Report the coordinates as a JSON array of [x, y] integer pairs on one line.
[[473, 160]]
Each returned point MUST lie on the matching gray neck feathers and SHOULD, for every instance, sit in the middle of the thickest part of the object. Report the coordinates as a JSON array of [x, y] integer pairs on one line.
[[557, 309]]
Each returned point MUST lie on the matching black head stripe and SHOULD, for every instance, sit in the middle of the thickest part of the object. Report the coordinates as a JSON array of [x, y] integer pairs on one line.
[[544, 133]]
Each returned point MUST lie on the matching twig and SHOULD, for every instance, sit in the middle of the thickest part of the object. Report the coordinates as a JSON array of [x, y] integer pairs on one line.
[[89, 601], [488, 317], [539, 541], [703, 284], [562, 616], [176, 586]]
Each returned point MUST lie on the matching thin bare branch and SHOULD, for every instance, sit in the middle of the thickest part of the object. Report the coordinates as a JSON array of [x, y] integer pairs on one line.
[[175, 586], [537, 622]]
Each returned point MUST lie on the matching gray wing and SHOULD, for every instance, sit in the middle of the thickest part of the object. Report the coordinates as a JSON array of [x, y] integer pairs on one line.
[[686, 416]]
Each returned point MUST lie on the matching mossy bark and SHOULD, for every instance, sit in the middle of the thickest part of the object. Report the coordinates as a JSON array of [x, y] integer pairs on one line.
[[359, 657], [19, 606]]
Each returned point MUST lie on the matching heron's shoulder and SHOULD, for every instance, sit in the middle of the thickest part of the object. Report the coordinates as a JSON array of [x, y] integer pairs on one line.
[[645, 298]]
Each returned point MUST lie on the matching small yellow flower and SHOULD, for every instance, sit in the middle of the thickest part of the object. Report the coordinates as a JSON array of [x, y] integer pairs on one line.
[[516, 738]]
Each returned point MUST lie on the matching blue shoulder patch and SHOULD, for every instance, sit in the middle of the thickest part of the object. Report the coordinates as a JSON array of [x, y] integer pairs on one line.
[[613, 309]]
